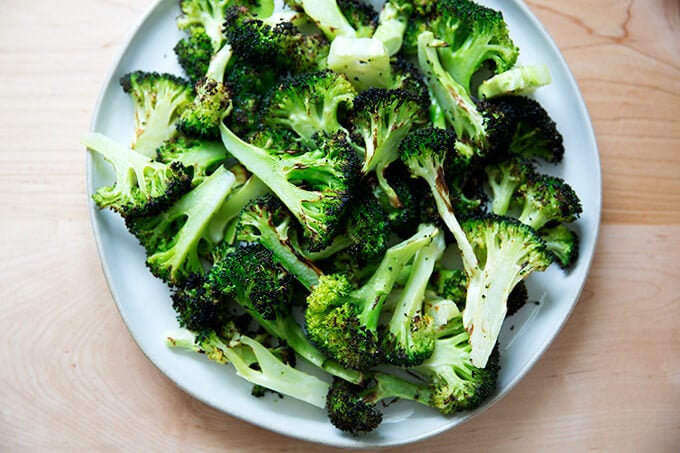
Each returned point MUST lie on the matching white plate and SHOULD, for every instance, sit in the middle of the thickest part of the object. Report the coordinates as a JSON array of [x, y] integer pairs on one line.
[[144, 301]]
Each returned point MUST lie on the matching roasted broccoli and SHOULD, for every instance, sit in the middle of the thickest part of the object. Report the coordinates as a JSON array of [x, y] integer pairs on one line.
[[504, 178], [544, 199], [343, 321], [173, 237], [201, 157], [562, 243], [308, 104], [253, 361], [142, 187], [379, 120], [508, 251], [314, 185], [158, 101], [408, 338]]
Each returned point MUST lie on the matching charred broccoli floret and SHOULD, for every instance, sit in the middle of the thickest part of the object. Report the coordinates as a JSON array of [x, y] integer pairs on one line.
[[343, 321], [142, 187], [158, 101]]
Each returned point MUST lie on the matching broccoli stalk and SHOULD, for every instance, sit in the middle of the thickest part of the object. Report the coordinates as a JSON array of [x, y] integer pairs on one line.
[[255, 363], [392, 25], [173, 237], [409, 338], [515, 81], [314, 185], [142, 187], [343, 321], [424, 153], [266, 221], [511, 251]]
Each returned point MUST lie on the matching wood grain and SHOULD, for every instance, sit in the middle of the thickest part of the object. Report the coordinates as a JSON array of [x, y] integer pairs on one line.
[[71, 377]]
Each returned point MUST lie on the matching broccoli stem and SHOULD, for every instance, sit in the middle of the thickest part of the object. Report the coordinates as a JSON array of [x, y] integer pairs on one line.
[[218, 63], [487, 295], [457, 107], [376, 289], [413, 294], [392, 386]]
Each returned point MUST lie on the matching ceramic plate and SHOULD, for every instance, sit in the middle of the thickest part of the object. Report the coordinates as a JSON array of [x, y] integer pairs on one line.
[[144, 301]]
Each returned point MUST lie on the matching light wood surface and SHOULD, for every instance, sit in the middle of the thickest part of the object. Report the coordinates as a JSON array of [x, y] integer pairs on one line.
[[72, 378]]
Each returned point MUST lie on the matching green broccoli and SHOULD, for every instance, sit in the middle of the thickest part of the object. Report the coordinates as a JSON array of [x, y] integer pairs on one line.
[[347, 18], [158, 101], [474, 35], [504, 178], [343, 321], [308, 104], [508, 251], [265, 220], [519, 80], [314, 185], [534, 134], [279, 43], [562, 243], [409, 337], [173, 237], [194, 53], [142, 187], [478, 123], [200, 156], [379, 120], [544, 199], [253, 361]]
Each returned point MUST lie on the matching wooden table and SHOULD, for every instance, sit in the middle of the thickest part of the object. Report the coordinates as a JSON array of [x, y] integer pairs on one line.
[[72, 378]]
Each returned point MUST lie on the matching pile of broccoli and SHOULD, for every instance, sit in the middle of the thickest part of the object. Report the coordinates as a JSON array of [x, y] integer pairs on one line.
[[358, 189]]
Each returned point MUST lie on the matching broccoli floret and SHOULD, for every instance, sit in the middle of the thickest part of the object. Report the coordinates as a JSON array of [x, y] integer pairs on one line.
[[198, 306], [173, 237], [379, 120], [254, 362], [424, 152], [478, 123], [515, 81], [455, 384], [352, 407], [208, 14], [314, 185], [252, 277], [508, 251], [534, 133], [448, 382], [201, 156], [407, 76], [504, 178], [409, 337], [158, 100], [248, 84], [450, 284], [142, 187], [211, 104], [364, 235], [343, 321], [474, 35], [194, 53], [265, 220], [308, 104], [544, 199], [562, 242], [279, 43]]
